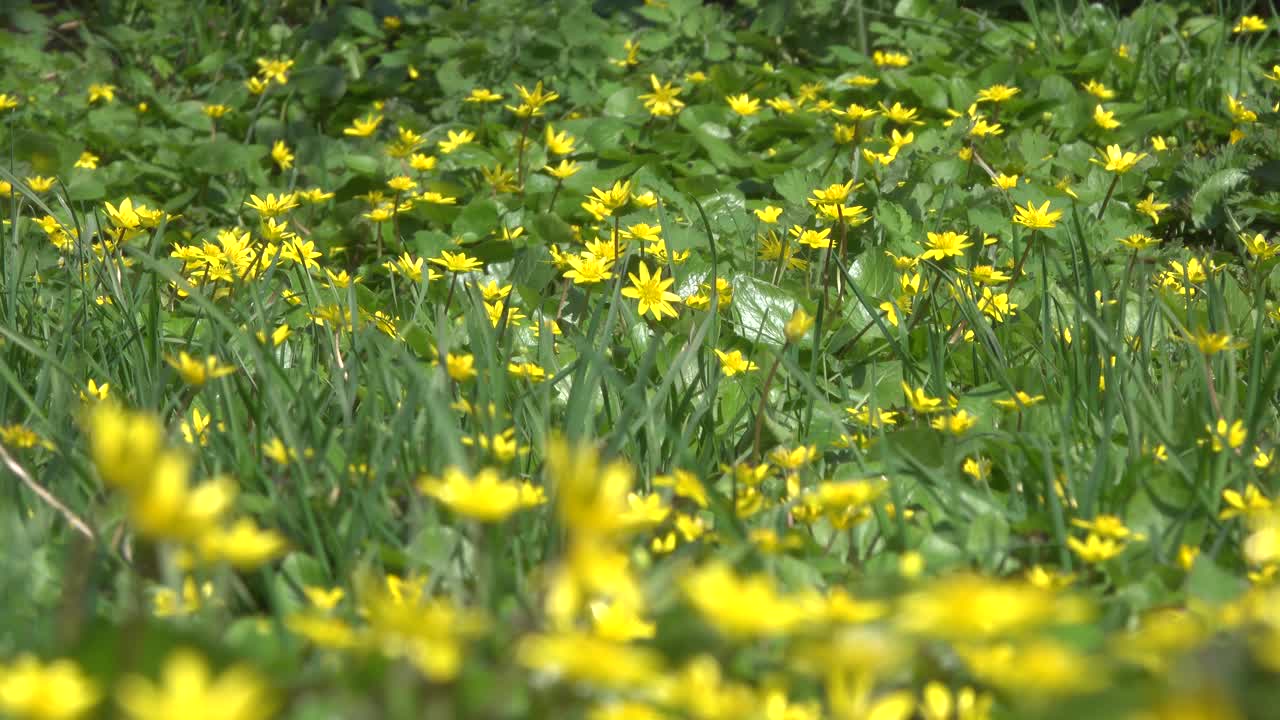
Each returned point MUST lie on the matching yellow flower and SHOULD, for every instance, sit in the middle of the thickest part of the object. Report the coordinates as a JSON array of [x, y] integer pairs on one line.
[[40, 183], [743, 104], [255, 86], [1107, 526], [651, 292], [587, 269], [1262, 459], [741, 606], [957, 423], [863, 416], [889, 58], [663, 101], [970, 607], [281, 155], [167, 602], [236, 694], [57, 690], [997, 93], [982, 128], [101, 91], [920, 401], [985, 275], [421, 162], [816, 239], [166, 506], [124, 445], [95, 392], [684, 484], [977, 468], [461, 367], [1039, 668], [195, 372], [7, 102], [436, 198], [456, 140], [129, 217], [1105, 119], [768, 214], [1005, 182], [324, 598], [996, 306], [565, 170], [559, 143], [1158, 143], [458, 262], [1113, 160], [645, 199], [197, 430], [732, 363], [856, 112], [1095, 549], [484, 496], [87, 161], [243, 545], [581, 657], [900, 114], [1019, 401], [1257, 246], [1250, 24], [1252, 504], [1098, 90], [1224, 435], [1187, 555], [275, 69], [1036, 217], [271, 206], [1212, 343], [944, 245], [1138, 241], [482, 95], [532, 101], [783, 105], [620, 621], [363, 127], [615, 197], [798, 326]]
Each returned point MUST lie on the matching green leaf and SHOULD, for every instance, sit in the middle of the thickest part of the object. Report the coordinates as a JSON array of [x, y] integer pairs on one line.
[[85, 187], [896, 221], [1211, 192], [1211, 583], [478, 219], [223, 155], [763, 309], [362, 164], [794, 185], [931, 93]]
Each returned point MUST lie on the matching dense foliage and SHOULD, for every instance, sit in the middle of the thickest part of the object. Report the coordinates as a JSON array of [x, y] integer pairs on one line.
[[626, 361]]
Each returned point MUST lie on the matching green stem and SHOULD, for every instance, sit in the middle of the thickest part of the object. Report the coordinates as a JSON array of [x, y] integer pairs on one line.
[[1107, 200], [764, 399], [1017, 270]]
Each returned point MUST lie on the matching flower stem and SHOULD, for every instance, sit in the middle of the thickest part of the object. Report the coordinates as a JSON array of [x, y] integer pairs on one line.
[[1017, 270], [453, 283], [1107, 200], [764, 399], [524, 133]]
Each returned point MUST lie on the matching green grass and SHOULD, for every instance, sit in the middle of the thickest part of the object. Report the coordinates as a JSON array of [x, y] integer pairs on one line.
[[1074, 552]]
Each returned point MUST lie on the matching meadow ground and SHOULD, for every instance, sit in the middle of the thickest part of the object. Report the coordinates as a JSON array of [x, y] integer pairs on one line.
[[626, 361]]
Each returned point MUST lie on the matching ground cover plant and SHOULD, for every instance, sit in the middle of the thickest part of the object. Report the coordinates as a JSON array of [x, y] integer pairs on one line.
[[629, 361]]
